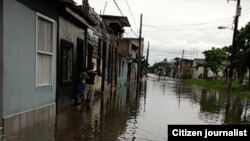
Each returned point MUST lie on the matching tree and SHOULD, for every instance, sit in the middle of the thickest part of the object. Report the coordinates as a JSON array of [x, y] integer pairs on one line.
[[214, 59], [242, 62]]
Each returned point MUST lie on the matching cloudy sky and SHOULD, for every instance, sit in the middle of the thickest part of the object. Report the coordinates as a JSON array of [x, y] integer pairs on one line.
[[172, 26]]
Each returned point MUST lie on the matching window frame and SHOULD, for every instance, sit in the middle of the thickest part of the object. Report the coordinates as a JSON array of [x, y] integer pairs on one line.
[[52, 53], [64, 44]]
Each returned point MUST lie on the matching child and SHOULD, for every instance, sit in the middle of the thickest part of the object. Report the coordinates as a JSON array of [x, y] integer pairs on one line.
[[81, 86]]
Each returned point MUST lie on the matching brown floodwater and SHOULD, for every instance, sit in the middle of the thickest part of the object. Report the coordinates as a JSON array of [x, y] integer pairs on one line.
[[125, 115]]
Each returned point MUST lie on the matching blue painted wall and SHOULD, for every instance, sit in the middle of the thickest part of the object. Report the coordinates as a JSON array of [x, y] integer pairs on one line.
[[123, 71], [19, 63]]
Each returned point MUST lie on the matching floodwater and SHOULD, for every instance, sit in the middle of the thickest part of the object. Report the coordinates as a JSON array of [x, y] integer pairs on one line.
[[127, 116]]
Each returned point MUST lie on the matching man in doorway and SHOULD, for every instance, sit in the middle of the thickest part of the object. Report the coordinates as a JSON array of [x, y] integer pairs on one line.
[[90, 83]]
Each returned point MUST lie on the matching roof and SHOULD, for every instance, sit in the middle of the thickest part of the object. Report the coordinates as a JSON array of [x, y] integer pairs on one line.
[[66, 1], [135, 41], [80, 12], [199, 61], [121, 19], [183, 59]]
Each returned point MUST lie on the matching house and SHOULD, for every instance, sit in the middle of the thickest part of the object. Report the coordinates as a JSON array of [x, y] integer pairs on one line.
[[113, 31], [133, 60], [198, 68], [140, 46], [74, 51], [124, 52], [28, 42], [94, 46], [183, 68]]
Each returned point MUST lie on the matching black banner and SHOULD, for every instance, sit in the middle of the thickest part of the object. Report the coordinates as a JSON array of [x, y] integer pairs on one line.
[[208, 132]]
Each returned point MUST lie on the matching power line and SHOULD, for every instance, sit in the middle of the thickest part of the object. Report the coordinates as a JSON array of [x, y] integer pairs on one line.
[[182, 27], [118, 7], [123, 15], [134, 32], [185, 25], [105, 7], [131, 14], [131, 31], [186, 29]]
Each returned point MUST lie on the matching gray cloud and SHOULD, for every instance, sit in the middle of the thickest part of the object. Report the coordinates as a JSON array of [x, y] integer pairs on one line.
[[174, 25]]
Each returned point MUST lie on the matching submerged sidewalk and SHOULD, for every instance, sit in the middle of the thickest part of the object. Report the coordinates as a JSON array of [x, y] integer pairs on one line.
[[89, 122]]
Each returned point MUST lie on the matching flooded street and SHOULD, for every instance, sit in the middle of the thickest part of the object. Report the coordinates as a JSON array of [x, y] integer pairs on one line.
[[126, 116]]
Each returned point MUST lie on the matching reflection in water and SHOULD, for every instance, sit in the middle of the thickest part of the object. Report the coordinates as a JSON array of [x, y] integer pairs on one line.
[[224, 108], [124, 115]]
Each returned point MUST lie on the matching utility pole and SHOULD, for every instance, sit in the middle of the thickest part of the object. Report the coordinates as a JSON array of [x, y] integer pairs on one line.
[[147, 53], [139, 58], [181, 73], [165, 67], [233, 48]]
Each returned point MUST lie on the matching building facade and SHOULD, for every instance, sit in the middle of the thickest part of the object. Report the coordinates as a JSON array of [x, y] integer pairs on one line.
[[42, 56], [28, 62]]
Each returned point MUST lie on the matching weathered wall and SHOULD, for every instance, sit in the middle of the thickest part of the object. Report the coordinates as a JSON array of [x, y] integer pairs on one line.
[[69, 32], [19, 62], [124, 47], [123, 71]]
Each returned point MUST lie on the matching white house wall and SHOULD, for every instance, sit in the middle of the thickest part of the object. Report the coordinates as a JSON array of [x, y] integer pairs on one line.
[[198, 71]]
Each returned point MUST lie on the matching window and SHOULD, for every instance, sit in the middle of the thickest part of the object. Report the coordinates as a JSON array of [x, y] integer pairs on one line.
[[67, 60], [44, 52]]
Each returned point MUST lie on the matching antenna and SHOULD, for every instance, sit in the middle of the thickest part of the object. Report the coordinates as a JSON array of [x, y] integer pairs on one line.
[[105, 7]]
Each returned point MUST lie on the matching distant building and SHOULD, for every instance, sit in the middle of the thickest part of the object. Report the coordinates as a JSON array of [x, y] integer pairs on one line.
[[183, 68], [198, 68], [200, 71]]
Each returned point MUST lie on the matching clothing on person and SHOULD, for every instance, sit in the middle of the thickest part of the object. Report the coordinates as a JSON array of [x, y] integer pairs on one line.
[[90, 82], [89, 92], [81, 85]]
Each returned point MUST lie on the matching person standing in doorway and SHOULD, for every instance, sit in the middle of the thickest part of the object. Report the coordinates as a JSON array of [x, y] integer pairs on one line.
[[90, 83]]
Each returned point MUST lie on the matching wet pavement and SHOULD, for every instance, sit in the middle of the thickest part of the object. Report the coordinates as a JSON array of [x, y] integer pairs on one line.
[[127, 116]]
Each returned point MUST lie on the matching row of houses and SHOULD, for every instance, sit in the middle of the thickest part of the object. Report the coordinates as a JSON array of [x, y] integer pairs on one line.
[[45, 44], [193, 68]]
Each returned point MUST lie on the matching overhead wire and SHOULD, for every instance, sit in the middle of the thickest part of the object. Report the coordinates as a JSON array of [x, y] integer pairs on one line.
[[131, 14], [123, 16], [207, 36], [118, 7], [210, 34], [183, 26]]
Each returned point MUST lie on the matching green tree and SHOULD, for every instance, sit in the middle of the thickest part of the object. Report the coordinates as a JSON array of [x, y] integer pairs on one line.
[[214, 59], [241, 62]]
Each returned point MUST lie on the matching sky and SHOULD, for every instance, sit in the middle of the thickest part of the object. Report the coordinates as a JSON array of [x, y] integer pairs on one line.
[[171, 26]]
